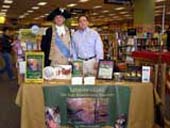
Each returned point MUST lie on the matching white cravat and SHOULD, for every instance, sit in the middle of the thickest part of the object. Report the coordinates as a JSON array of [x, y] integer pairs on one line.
[[61, 30]]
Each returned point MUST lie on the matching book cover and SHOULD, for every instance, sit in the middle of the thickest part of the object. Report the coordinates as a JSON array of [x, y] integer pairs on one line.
[[34, 67], [77, 67], [52, 117]]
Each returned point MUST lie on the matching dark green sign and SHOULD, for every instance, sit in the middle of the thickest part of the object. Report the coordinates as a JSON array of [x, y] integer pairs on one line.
[[86, 106]]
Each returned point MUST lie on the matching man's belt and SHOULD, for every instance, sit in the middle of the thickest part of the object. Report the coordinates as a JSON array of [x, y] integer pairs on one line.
[[86, 59]]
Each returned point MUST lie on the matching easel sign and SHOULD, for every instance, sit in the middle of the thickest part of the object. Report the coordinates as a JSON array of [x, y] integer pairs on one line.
[[34, 67]]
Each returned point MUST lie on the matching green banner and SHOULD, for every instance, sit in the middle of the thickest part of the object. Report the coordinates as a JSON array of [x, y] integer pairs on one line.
[[86, 106]]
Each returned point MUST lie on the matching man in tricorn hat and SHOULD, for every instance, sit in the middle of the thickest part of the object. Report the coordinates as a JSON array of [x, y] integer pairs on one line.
[[56, 42]]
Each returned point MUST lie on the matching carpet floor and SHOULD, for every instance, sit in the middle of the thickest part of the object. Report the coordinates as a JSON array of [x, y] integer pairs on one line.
[[9, 112]]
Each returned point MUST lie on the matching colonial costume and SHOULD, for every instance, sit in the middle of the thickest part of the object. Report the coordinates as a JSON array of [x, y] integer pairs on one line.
[[56, 42]]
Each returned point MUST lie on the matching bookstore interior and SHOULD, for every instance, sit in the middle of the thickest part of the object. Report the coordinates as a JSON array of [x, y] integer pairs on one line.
[[112, 56]]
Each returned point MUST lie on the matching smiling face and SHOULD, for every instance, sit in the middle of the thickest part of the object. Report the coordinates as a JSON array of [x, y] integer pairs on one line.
[[59, 20], [83, 22]]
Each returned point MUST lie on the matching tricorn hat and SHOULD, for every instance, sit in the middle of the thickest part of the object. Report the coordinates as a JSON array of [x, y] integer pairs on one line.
[[58, 11]]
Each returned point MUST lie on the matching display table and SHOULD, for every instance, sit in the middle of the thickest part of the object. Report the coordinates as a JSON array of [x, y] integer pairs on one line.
[[141, 110]]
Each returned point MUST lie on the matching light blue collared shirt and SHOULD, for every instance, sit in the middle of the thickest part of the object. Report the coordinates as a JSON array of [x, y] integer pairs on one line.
[[87, 43]]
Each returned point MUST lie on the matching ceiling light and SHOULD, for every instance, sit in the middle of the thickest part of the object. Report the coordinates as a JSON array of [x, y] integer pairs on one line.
[[71, 5], [158, 11], [2, 13], [116, 17], [127, 15], [37, 18], [74, 13], [157, 14], [119, 8], [101, 16], [111, 14], [160, 0], [42, 3], [83, 1], [42, 16], [105, 11], [119, 19], [5, 6], [158, 7], [8, 1], [98, 6], [94, 14], [21, 17], [35, 8], [2, 19], [123, 12], [26, 14], [4, 10], [30, 11]]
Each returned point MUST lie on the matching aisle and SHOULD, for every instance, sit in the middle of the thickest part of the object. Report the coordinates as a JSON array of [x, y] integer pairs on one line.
[[9, 112]]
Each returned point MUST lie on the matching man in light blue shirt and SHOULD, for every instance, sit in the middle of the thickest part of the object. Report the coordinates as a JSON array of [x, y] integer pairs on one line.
[[87, 46]]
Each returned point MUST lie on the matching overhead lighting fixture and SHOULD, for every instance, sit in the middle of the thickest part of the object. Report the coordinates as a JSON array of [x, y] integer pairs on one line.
[[74, 13], [83, 1], [105, 11], [42, 16], [2, 13], [120, 19], [123, 12], [160, 0], [42, 3], [116, 17], [158, 11], [94, 14], [98, 6], [112, 14], [157, 14], [37, 18], [101, 16], [4, 10], [119, 8], [158, 7], [2, 19], [30, 11], [25, 14], [127, 15], [5, 6], [35, 8], [21, 17], [8, 1], [71, 5]]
